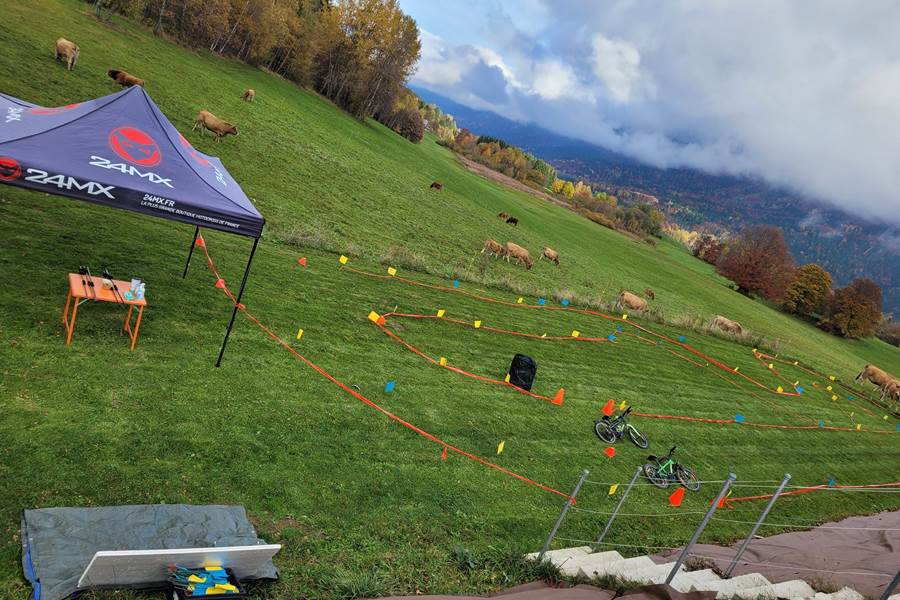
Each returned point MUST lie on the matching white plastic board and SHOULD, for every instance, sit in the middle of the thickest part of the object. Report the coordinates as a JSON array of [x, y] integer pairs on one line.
[[113, 568]]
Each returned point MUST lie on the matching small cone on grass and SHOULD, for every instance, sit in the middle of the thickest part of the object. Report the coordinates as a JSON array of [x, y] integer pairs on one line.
[[609, 452], [558, 398], [220, 283], [608, 408], [676, 497], [302, 261]]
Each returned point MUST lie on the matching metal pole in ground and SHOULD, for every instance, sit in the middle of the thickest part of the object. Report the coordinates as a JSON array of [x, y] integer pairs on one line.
[[759, 522], [615, 511], [701, 527], [891, 586], [562, 515]]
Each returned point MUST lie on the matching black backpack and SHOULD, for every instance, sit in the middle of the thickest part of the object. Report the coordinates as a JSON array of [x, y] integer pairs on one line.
[[522, 371]]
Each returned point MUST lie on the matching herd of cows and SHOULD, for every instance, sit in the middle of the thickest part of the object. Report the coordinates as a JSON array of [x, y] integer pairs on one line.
[[69, 51]]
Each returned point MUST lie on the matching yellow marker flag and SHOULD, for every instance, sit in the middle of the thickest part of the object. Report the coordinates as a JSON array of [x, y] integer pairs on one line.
[[500, 447], [736, 369], [754, 351], [779, 389], [885, 417], [833, 397], [795, 363], [771, 366], [828, 388], [374, 316], [612, 489], [477, 324], [622, 405], [506, 379], [343, 259], [796, 383], [440, 313], [831, 377], [443, 361], [299, 333], [392, 271], [543, 335], [858, 426], [575, 333], [520, 300], [624, 317]]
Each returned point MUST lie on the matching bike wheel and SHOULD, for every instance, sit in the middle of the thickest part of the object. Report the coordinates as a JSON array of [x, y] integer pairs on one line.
[[651, 472], [637, 438], [604, 432], [687, 478]]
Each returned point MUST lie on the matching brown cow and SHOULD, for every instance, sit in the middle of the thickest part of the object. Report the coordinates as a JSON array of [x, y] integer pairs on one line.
[[68, 50], [249, 95], [727, 325], [494, 248], [629, 300], [207, 120], [550, 254], [649, 293], [519, 253], [124, 79], [880, 378], [502, 216], [436, 185], [891, 390]]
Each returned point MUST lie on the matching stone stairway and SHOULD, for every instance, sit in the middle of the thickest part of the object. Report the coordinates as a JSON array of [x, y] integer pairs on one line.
[[583, 562]]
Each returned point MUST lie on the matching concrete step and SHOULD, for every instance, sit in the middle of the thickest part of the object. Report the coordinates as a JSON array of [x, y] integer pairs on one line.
[[728, 588], [842, 594], [762, 592], [704, 575], [562, 553], [650, 574], [596, 559], [620, 568], [795, 588]]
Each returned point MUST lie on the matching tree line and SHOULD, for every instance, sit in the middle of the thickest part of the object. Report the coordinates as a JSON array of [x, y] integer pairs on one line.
[[758, 261], [357, 53]]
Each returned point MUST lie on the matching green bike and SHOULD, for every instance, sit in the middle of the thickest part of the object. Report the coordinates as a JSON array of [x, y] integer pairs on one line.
[[661, 471]]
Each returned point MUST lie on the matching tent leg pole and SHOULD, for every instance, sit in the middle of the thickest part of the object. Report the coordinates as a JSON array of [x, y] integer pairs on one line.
[[191, 251], [237, 302]]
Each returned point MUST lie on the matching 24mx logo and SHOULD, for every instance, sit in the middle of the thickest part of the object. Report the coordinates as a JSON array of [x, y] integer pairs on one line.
[[104, 163], [65, 182], [135, 146], [9, 169], [14, 114]]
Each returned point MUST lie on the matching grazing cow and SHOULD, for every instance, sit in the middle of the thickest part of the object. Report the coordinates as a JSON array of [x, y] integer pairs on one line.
[[727, 325], [502, 216], [629, 300], [67, 50], [649, 293], [512, 221], [436, 185], [886, 383], [550, 254], [124, 79], [207, 120], [493, 248], [520, 254], [891, 390], [249, 95]]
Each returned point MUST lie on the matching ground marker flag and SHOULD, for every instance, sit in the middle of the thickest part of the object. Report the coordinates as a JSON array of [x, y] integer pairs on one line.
[[739, 418], [543, 335], [506, 379], [520, 300], [343, 259], [389, 386], [736, 369], [800, 389], [885, 417], [754, 351], [392, 271], [831, 482], [779, 389], [443, 361], [608, 408], [831, 377], [299, 333], [833, 397], [575, 333], [376, 318], [828, 388], [220, 283], [898, 426], [440, 313], [444, 454], [500, 446], [858, 426], [541, 301], [849, 397], [565, 302], [771, 366], [456, 283], [612, 489], [612, 337], [821, 423], [677, 497], [558, 398], [200, 241], [610, 452], [477, 324], [796, 383], [851, 415], [618, 328], [302, 261], [681, 338], [624, 317], [622, 405]]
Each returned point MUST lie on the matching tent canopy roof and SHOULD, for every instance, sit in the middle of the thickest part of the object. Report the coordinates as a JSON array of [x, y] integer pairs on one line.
[[120, 151]]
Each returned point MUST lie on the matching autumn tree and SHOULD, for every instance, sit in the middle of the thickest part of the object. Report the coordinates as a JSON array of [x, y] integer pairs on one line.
[[853, 311], [758, 261], [808, 291], [568, 190], [408, 123], [557, 186], [708, 249]]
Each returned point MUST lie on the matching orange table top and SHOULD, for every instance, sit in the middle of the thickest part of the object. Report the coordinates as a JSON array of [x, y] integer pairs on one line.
[[77, 288]]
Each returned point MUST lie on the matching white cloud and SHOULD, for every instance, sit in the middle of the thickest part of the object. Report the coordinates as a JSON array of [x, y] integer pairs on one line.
[[617, 64], [552, 79]]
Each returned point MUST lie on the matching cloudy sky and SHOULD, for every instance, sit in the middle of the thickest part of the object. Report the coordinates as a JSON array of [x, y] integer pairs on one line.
[[805, 94]]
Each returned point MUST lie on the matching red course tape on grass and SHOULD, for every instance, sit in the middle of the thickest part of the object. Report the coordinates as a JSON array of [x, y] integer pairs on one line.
[[202, 244]]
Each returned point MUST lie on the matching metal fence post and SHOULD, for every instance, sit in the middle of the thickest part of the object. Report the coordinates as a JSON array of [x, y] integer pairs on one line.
[[759, 522], [701, 527], [891, 586], [562, 515], [615, 511]]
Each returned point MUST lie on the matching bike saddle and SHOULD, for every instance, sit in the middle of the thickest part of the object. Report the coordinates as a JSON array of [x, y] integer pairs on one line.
[[651, 457]]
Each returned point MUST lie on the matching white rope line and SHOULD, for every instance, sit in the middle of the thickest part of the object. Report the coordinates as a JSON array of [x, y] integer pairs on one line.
[[636, 483], [715, 518], [621, 514], [591, 542]]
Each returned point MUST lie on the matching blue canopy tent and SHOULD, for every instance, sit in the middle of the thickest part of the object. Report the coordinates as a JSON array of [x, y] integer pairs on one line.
[[121, 151]]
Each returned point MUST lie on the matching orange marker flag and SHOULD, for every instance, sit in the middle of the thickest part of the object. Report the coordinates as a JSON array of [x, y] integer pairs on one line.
[[444, 454], [558, 398], [610, 452], [302, 261], [676, 498], [376, 318], [220, 283], [608, 408], [200, 241]]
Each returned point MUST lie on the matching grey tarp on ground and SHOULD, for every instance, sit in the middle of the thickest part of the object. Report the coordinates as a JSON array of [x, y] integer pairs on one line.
[[58, 543]]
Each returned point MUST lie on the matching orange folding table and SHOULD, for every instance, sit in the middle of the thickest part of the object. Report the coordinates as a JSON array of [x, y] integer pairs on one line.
[[79, 293]]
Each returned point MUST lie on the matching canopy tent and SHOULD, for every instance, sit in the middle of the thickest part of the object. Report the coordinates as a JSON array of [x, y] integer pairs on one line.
[[121, 151]]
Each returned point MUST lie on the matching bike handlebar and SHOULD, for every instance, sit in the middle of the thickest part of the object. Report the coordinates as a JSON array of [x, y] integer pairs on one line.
[[672, 450]]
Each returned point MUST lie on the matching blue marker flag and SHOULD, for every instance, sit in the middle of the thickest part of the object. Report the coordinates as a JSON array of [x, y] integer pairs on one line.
[[831, 482], [800, 389], [456, 283], [565, 302], [739, 418], [389, 386], [821, 423], [618, 328], [541, 301], [681, 338], [612, 337], [849, 397]]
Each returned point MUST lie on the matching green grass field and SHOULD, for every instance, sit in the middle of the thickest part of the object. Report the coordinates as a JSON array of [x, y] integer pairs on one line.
[[362, 505]]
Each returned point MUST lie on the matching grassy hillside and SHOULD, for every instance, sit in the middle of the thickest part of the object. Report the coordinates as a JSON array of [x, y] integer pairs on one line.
[[362, 505]]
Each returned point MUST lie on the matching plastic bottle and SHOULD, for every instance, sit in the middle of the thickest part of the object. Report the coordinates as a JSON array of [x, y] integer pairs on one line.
[[140, 291]]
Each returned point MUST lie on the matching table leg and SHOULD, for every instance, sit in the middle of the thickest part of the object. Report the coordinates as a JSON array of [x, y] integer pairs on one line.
[[137, 325], [72, 322], [126, 326], [66, 311]]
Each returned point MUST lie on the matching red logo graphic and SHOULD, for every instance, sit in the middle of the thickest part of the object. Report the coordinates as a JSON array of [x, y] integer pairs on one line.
[[9, 169], [135, 146], [193, 153], [38, 110]]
